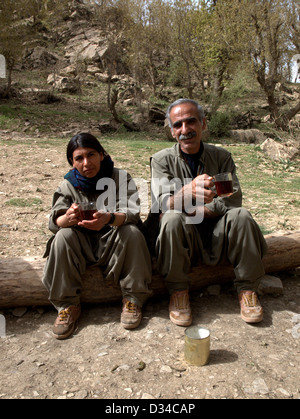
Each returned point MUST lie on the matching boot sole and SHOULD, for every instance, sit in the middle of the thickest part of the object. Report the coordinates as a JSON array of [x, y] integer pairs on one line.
[[67, 334], [131, 325], [183, 323], [252, 320]]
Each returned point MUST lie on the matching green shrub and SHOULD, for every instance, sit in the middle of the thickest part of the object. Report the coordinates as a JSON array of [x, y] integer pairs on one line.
[[219, 124]]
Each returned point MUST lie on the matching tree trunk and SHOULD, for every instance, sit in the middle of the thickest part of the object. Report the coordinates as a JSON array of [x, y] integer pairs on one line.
[[20, 278], [283, 121]]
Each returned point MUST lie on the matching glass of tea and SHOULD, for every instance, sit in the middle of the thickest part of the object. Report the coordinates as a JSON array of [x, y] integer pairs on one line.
[[223, 184], [87, 209]]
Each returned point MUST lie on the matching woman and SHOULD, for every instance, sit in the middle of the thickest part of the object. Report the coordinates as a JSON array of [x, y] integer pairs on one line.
[[110, 240]]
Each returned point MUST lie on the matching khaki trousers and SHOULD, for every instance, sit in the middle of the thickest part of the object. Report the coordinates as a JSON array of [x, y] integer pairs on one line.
[[122, 253], [234, 237]]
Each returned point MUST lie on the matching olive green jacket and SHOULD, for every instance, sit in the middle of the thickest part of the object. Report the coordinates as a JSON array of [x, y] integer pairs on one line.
[[126, 201], [169, 164]]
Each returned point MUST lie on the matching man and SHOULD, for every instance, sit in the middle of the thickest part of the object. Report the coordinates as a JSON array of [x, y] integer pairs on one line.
[[223, 232]]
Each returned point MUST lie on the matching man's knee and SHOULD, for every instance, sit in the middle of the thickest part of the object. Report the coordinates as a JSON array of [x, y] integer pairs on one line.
[[239, 216], [171, 221]]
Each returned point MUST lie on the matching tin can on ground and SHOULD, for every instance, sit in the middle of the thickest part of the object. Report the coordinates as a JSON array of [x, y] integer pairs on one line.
[[197, 345]]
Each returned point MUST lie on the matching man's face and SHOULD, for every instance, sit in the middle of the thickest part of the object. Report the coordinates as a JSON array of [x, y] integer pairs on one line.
[[187, 127]]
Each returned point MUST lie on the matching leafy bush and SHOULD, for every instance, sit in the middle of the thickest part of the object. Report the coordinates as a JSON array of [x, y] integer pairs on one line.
[[219, 124]]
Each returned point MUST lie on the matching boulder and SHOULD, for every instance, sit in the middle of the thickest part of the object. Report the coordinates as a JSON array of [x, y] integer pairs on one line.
[[39, 57], [248, 136], [64, 84], [280, 151]]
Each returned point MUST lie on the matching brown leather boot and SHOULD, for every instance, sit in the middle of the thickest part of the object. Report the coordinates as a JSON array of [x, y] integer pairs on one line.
[[65, 322], [251, 309], [131, 315], [179, 308]]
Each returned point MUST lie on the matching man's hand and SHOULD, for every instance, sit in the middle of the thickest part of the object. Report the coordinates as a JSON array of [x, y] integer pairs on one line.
[[201, 188]]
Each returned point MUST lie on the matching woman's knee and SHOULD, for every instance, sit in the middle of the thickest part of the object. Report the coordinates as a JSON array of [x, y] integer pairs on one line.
[[64, 238], [130, 232]]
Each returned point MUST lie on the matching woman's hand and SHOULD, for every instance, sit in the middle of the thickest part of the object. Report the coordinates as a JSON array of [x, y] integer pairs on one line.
[[70, 218], [100, 220]]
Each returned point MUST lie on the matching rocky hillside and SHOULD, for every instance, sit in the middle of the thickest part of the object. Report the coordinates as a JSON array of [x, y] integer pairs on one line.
[[77, 69]]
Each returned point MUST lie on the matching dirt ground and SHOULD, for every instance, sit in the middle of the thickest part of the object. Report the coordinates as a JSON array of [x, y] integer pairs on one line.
[[104, 361]]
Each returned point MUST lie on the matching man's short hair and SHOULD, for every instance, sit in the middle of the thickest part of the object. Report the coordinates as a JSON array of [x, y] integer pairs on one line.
[[180, 102]]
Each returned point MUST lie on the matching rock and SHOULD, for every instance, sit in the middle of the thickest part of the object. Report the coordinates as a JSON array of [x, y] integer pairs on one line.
[[214, 289], [107, 126], [166, 368], [19, 311], [258, 386], [147, 396], [64, 84], [284, 392], [39, 57], [81, 394], [270, 285], [103, 77], [248, 136], [280, 151], [92, 69], [91, 47]]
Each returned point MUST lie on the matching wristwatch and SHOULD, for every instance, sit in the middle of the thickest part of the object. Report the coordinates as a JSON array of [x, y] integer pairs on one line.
[[112, 219]]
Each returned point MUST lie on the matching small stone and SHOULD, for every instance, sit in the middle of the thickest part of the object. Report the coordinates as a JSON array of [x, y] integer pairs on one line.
[[260, 386], [19, 311], [270, 285], [166, 368], [214, 289], [284, 392], [103, 354], [129, 390], [147, 396], [81, 394]]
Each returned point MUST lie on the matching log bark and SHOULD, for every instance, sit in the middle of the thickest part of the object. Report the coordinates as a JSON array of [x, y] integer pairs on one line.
[[20, 278]]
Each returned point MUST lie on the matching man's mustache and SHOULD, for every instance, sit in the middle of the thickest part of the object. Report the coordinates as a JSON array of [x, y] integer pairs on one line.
[[187, 136]]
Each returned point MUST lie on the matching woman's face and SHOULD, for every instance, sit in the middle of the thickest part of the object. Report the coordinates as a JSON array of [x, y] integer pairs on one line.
[[87, 161]]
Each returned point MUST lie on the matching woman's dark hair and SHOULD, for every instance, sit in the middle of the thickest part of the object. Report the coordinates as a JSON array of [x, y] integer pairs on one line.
[[83, 139]]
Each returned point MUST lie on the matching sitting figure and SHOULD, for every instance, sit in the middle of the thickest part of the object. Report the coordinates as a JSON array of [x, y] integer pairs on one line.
[[220, 231], [110, 239]]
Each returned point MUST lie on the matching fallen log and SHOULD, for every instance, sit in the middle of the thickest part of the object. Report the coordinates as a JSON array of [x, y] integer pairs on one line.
[[20, 278]]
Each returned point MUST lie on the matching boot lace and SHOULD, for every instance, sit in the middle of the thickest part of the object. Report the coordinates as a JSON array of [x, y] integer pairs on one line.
[[130, 307], [63, 314], [250, 299], [181, 301]]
